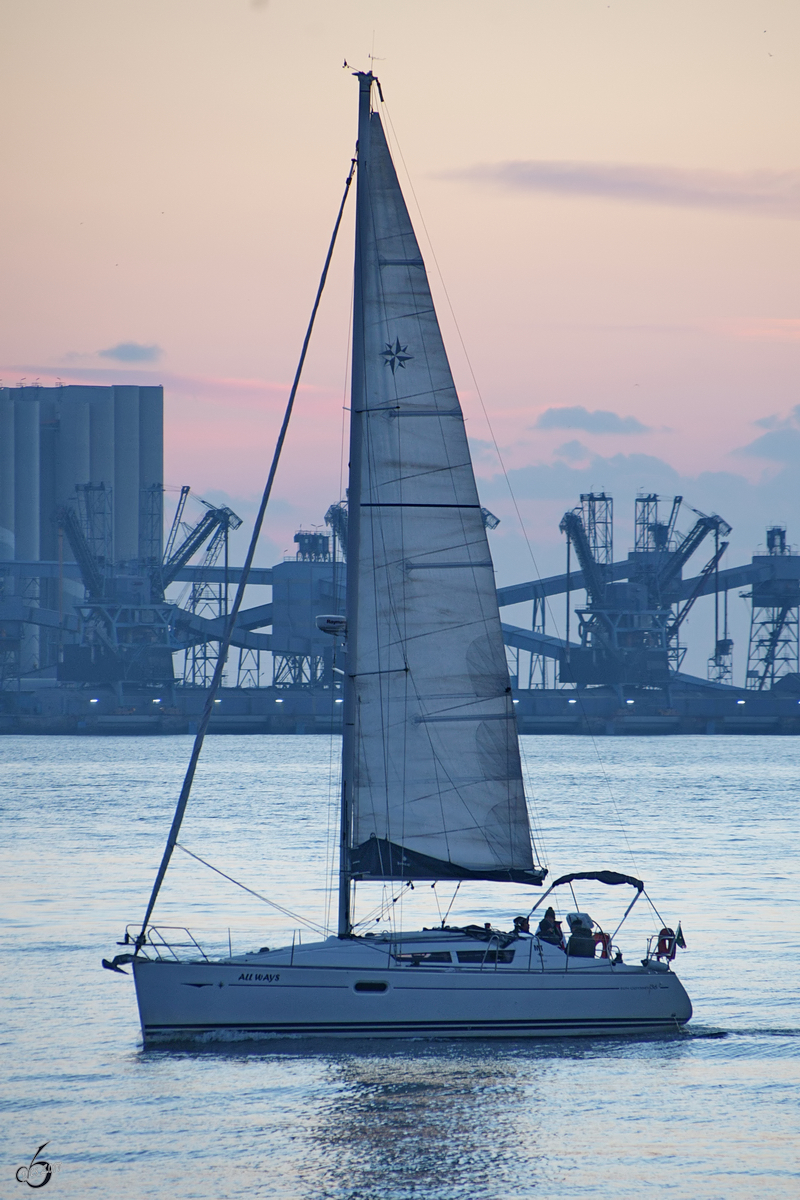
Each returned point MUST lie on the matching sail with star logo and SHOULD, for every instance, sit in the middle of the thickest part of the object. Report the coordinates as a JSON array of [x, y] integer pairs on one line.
[[434, 778], [431, 780]]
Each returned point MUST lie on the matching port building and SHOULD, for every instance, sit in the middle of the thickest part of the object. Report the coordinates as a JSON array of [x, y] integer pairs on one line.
[[95, 637]]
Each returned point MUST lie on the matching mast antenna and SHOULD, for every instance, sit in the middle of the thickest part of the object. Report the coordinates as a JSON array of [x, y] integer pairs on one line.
[[372, 61]]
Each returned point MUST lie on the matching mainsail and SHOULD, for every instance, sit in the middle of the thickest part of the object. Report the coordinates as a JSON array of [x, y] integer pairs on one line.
[[434, 785]]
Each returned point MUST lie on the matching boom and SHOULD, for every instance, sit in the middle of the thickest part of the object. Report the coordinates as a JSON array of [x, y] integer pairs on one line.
[[594, 581]]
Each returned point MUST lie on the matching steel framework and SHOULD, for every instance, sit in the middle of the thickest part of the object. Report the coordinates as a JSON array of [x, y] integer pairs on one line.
[[207, 600], [298, 670], [774, 648], [597, 510], [248, 672]]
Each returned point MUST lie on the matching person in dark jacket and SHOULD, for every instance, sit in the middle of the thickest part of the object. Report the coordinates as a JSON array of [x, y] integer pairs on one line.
[[550, 929]]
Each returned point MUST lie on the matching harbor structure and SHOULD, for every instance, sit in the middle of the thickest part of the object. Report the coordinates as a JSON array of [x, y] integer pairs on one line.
[[58, 445], [87, 577]]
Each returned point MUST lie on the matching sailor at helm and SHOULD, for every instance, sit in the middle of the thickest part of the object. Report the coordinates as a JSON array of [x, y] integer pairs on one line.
[[549, 929]]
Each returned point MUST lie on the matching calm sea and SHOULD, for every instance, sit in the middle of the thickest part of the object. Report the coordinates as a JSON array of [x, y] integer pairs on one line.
[[711, 824]]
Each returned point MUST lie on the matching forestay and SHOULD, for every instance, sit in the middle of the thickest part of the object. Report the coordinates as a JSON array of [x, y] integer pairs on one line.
[[437, 786]]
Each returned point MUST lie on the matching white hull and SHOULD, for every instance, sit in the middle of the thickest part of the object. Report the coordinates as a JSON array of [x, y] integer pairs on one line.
[[269, 996], [432, 784]]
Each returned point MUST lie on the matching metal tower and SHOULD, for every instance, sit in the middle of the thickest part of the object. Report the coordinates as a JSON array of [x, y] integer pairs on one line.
[[539, 672], [248, 671], [774, 649], [597, 511], [336, 518], [301, 588], [720, 665], [151, 526], [209, 600], [95, 510]]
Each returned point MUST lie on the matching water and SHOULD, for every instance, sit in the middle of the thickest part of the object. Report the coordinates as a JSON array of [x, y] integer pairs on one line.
[[710, 823]]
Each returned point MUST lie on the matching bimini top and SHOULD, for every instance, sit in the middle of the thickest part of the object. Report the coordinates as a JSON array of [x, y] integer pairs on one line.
[[610, 877]]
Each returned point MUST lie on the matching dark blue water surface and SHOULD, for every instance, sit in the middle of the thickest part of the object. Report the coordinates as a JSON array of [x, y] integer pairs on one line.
[[710, 823]]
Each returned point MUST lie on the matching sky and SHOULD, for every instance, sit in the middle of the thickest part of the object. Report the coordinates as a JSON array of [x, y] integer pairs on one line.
[[607, 196]]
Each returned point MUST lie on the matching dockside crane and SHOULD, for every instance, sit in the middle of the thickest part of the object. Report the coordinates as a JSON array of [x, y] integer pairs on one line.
[[215, 519], [593, 575], [772, 644], [629, 631], [176, 523], [207, 599], [677, 501], [92, 575], [670, 571], [118, 641], [708, 569]]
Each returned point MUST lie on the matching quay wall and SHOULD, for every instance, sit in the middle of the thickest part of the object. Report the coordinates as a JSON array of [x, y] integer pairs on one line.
[[149, 711]]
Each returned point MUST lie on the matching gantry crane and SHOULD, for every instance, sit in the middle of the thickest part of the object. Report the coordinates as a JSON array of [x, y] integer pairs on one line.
[[127, 626], [628, 630]]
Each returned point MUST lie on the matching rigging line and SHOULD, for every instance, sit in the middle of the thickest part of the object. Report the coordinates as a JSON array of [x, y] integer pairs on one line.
[[225, 642], [383, 907], [469, 363], [331, 868], [533, 812], [655, 910], [452, 902], [499, 455], [505, 474], [464, 348], [402, 625], [384, 685], [331, 806], [286, 912], [329, 815], [606, 780], [438, 905]]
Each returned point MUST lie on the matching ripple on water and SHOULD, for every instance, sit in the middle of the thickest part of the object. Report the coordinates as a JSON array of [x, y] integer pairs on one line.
[[709, 1114]]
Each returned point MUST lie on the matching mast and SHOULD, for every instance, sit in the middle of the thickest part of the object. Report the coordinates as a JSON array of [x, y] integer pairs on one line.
[[357, 391]]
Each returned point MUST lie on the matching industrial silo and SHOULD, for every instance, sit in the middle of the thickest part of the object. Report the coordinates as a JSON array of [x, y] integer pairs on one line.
[[101, 449], [72, 470], [6, 478], [151, 474], [26, 513], [126, 474]]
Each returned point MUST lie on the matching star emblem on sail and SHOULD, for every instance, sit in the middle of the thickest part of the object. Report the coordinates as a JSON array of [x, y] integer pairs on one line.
[[395, 356]]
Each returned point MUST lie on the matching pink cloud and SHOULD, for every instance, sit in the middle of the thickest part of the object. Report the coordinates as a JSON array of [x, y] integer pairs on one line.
[[770, 329]]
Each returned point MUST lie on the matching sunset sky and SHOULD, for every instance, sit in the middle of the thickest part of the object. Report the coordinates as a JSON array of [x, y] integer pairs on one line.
[[611, 192]]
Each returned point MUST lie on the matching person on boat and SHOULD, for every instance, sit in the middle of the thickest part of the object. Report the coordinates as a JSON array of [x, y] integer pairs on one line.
[[550, 929], [581, 940], [522, 925]]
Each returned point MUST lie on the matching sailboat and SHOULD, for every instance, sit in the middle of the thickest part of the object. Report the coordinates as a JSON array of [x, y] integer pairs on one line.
[[432, 784]]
